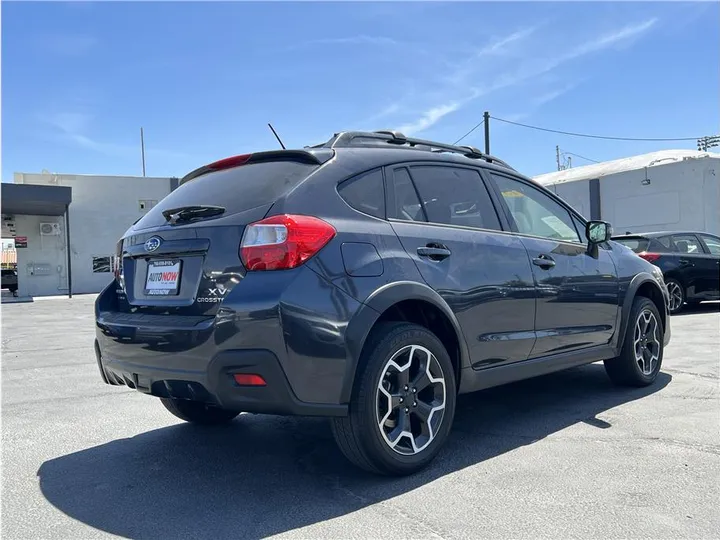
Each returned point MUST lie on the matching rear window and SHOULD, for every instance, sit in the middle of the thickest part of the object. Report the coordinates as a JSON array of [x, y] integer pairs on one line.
[[638, 245], [237, 189]]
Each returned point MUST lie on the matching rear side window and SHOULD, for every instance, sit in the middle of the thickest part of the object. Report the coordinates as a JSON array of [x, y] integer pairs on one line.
[[237, 189], [365, 193], [687, 243], [405, 202], [455, 196]]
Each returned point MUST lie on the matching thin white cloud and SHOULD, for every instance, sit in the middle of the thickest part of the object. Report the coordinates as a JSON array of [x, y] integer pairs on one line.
[[429, 117], [462, 94], [391, 109], [501, 44], [547, 97], [72, 128]]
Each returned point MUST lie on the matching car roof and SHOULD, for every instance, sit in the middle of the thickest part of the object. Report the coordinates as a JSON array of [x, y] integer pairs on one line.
[[368, 157], [657, 234]]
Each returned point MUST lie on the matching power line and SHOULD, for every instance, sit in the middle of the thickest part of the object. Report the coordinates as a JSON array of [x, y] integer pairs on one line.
[[469, 132], [581, 157], [596, 136]]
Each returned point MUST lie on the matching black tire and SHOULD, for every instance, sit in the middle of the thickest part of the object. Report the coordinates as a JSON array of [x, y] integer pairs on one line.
[[625, 370], [196, 412], [675, 288], [359, 434]]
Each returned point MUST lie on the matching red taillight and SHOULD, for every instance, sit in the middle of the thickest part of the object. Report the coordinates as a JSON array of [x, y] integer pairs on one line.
[[227, 163], [283, 242], [649, 257], [249, 379]]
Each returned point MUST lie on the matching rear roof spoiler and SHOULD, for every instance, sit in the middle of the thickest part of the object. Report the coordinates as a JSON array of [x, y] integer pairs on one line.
[[308, 156]]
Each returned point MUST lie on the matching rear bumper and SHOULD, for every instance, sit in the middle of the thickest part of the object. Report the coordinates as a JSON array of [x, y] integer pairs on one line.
[[215, 383], [292, 336]]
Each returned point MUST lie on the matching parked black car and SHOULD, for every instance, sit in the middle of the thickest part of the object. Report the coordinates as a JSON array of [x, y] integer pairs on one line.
[[690, 262], [370, 279], [10, 280]]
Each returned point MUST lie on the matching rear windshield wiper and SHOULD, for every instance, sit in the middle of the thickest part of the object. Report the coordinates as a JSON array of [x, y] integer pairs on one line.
[[191, 213]]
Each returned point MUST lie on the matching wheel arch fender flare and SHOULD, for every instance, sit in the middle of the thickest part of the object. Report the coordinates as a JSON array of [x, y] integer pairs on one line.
[[373, 308], [638, 281]]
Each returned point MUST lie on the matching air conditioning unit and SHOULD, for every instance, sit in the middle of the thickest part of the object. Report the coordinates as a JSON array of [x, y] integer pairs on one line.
[[49, 229]]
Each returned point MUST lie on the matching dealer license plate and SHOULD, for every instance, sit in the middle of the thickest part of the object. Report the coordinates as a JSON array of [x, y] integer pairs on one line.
[[163, 278]]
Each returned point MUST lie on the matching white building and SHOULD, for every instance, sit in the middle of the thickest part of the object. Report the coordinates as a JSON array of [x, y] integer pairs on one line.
[[666, 190], [47, 212]]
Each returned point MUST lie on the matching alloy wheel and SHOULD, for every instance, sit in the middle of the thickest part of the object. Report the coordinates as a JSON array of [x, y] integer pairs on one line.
[[410, 400], [676, 296], [646, 342]]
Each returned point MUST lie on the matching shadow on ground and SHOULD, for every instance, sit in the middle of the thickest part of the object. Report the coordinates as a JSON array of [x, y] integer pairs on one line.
[[704, 307], [265, 475]]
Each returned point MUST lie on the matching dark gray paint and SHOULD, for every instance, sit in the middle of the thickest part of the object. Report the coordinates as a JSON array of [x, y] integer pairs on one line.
[[35, 200], [316, 318], [595, 206]]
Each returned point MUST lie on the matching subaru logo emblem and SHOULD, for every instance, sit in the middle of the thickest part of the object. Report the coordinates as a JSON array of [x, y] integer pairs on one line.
[[152, 244]]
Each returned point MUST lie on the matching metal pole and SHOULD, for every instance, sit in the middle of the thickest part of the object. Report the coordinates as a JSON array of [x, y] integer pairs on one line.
[[142, 149], [69, 251], [557, 156], [486, 118]]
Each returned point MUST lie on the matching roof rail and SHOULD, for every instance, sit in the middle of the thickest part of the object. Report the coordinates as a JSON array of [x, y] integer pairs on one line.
[[355, 138]]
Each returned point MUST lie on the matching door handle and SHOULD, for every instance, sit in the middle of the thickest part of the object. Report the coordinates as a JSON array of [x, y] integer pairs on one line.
[[544, 261], [435, 253], [684, 262]]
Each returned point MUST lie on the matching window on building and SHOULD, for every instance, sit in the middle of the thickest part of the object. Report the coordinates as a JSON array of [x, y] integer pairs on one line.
[[146, 204], [102, 264]]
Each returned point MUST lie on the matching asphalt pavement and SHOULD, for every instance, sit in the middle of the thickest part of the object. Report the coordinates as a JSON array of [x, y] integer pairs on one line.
[[566, 455]]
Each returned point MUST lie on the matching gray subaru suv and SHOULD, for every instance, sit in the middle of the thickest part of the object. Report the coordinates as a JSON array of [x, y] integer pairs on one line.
[[369, 279]]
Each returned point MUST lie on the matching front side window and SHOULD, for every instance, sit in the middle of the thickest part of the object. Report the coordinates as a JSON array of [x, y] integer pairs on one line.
[[580, 226], [405, 205], [712, 243], [455, 196], [534, 212]]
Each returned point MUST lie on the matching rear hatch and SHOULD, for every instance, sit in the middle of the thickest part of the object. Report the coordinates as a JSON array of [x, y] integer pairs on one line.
[[182, 257]]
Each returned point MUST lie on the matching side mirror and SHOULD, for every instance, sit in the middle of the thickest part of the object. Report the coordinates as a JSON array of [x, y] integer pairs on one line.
[[598, 232]]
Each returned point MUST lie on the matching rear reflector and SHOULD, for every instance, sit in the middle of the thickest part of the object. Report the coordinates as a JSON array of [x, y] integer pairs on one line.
[[283, 242], [249, 379], [650, 257]]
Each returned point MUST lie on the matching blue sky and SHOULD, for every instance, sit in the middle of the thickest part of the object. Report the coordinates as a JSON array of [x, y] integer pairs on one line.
[[203, 79]]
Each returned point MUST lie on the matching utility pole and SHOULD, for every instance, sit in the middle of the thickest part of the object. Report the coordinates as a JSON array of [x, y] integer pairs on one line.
[[557, 156], [486, 119], [704, 143], [142, 149]]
